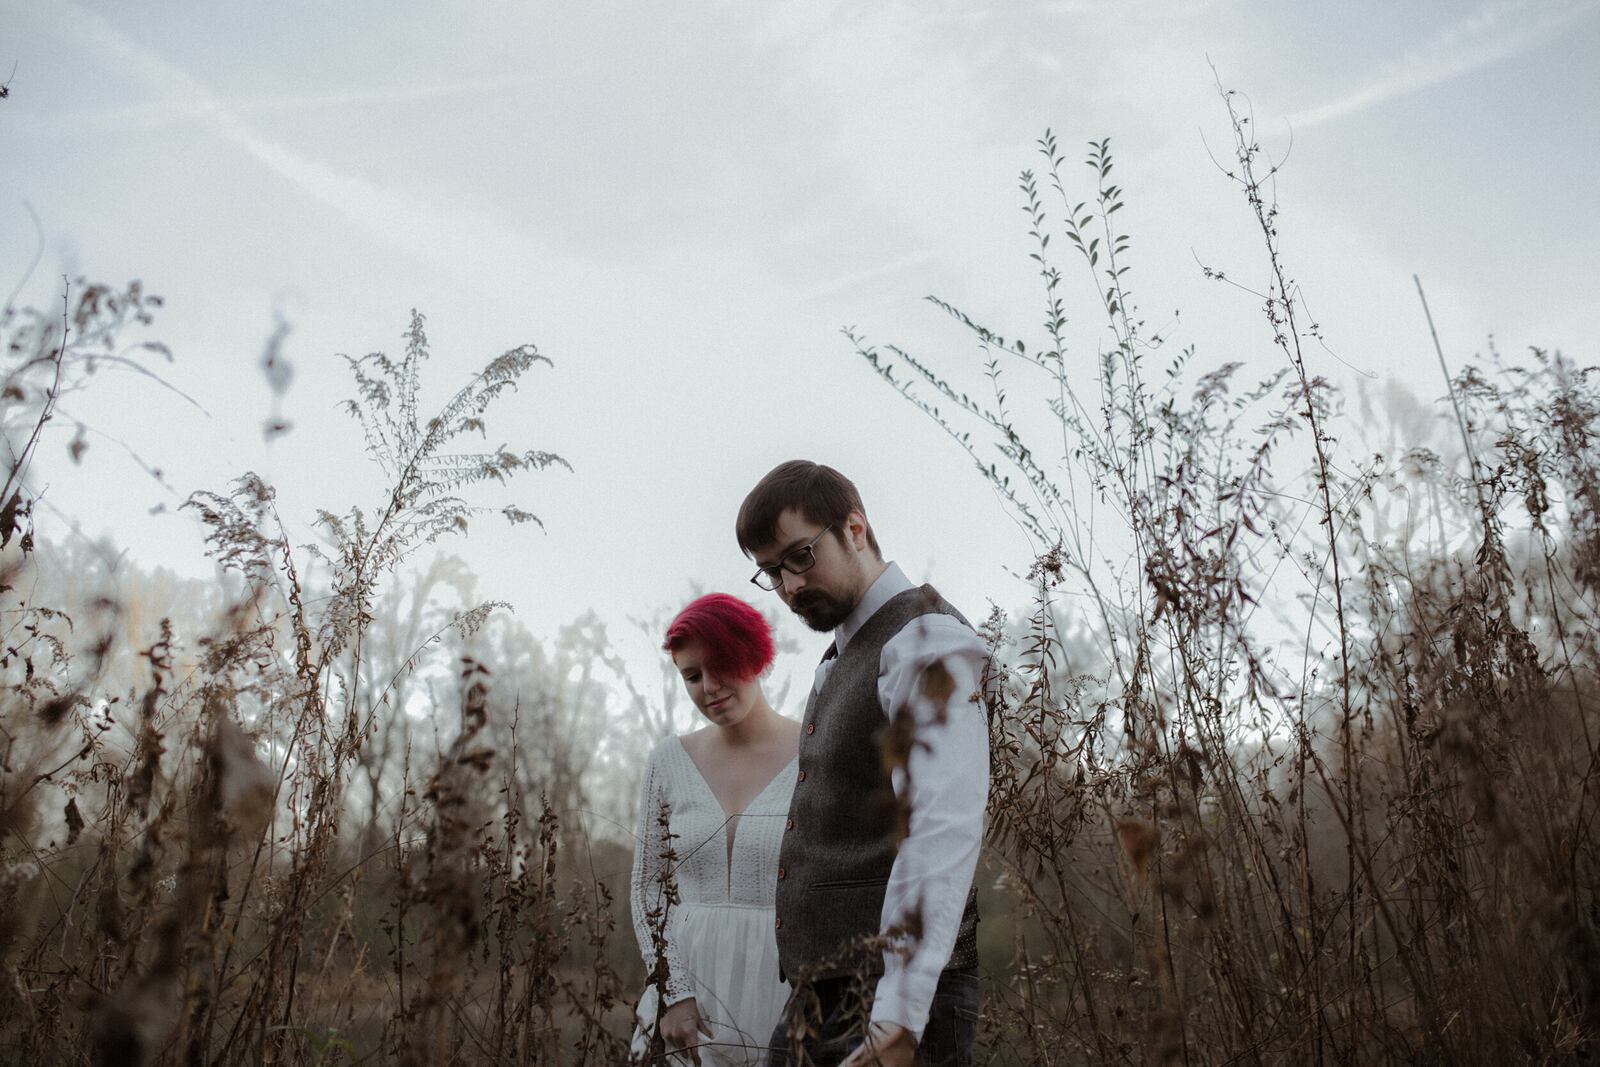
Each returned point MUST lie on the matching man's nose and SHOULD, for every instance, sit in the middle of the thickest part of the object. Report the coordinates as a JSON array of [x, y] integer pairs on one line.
[[792, 583]]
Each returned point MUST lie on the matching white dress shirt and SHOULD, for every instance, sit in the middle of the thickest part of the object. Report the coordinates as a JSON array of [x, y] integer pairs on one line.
[[948, 775]]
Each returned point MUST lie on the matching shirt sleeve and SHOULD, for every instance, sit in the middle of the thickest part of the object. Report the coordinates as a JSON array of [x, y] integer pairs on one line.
[[932, 670], [648, 885]]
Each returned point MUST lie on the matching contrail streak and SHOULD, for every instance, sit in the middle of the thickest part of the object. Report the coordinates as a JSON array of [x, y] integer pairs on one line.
[[1494, 32], [451, 237]]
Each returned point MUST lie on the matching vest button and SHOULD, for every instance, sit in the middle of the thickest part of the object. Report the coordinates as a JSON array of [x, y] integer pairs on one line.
[[788, 824], [811, 728], [782, 874], [777, 924], [800, 777]]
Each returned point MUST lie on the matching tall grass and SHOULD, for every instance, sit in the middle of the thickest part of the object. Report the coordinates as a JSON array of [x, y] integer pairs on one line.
[[182, 878], [1278, 778], [1293, 747]]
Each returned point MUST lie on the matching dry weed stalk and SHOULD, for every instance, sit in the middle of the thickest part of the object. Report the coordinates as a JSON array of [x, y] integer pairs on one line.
[[193, 891], [1311, 779], [1296, 785]]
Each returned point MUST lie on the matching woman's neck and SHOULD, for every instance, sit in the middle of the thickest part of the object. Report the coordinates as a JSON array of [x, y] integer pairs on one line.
[[755, 728]]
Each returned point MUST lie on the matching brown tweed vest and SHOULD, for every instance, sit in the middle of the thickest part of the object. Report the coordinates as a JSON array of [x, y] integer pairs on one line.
[[840, 841]]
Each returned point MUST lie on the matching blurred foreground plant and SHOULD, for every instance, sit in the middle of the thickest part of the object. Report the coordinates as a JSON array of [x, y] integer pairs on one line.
[[1276, 781], [180, 884]]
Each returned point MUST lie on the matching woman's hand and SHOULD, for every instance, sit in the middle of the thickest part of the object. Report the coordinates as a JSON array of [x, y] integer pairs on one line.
[[682, 1028]]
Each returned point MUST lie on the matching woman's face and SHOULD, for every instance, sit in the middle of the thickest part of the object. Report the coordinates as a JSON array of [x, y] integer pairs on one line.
[[723, 700]]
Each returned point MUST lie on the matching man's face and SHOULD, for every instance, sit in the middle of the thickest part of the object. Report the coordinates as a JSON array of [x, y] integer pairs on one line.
[[824, 595]]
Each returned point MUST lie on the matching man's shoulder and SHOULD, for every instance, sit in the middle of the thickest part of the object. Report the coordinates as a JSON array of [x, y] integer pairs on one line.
[[934, 634], [914, 602]]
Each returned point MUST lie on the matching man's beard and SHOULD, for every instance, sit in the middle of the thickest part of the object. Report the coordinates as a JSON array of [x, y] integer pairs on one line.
[[820, 611]]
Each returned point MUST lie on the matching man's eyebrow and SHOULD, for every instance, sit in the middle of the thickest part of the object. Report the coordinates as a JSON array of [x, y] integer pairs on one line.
[[798, 542]]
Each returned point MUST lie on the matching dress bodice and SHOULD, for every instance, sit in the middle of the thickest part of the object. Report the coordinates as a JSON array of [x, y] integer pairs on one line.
[[707, 870], [697, 855]]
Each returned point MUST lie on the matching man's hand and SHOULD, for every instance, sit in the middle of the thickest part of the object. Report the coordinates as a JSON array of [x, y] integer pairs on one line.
[[682, 1027], [887, 1045]]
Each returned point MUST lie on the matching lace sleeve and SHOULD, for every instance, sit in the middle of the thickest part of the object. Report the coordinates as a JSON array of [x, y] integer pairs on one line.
[[653, 890]]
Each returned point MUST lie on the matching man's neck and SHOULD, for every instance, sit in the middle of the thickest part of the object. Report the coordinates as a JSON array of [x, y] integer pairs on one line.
[[887, 580]]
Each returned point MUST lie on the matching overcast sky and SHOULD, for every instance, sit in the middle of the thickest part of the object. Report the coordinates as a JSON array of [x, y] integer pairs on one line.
[[682, 204]]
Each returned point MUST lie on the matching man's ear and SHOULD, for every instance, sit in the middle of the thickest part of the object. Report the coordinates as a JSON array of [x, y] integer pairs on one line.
[[855, 526]]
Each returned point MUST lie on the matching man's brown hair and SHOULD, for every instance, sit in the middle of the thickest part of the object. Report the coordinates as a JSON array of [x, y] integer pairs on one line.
[[821, 494]]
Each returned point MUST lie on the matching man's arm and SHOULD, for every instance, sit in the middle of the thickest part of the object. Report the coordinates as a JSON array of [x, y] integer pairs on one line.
[[930, 671]]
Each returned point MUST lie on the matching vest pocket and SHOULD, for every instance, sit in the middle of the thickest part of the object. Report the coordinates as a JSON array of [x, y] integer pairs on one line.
[[847, 883]]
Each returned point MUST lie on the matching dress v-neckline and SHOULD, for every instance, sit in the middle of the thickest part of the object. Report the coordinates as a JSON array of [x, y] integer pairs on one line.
[[731, 819], [706, 785]]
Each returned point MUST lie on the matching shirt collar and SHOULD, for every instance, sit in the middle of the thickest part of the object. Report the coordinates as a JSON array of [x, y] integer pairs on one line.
[[891, 583]]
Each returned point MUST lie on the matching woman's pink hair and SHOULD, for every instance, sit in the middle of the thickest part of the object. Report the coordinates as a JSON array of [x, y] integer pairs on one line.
[[737, 640]]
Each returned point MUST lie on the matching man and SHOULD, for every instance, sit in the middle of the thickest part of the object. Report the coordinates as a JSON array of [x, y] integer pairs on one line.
[[877, 934]]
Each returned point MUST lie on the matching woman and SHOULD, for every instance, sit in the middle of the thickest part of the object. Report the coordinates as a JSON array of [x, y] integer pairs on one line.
[[721, 793]]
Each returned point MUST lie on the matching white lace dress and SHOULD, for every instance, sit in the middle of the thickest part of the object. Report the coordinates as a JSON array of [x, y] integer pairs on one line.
[[720, 945]]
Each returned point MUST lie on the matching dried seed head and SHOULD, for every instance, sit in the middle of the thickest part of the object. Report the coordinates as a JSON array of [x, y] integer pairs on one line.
[[1139, 840], [245, 785], [14, 875]]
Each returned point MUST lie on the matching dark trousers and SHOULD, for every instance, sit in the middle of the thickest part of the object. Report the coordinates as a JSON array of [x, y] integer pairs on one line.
[[839, 1016]]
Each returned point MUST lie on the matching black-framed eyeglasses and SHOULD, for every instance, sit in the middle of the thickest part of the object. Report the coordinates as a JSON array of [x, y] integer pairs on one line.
[[795, 561]]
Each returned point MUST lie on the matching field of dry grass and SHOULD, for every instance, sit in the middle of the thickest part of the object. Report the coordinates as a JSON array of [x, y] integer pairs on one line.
[[1294, 750]]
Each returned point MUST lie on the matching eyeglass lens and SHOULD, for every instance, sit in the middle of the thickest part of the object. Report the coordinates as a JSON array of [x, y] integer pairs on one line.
[[799, 561]]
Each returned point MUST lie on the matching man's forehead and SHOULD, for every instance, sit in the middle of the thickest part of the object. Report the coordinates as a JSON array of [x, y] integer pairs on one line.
[[790, 532]]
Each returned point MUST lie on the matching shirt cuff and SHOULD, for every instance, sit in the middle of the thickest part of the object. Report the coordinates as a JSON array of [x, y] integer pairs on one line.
[[904, 998]]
